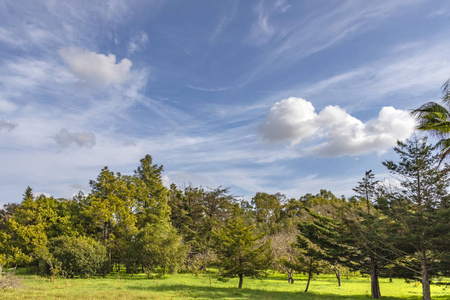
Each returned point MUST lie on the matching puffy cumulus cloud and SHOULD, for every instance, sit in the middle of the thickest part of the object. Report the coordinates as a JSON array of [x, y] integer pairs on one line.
[[7, 125], [294, 120], [81, 139], [97, 69], [350, 136], [291, 120]]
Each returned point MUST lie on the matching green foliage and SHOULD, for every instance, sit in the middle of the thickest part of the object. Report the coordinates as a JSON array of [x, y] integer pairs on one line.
[[240, 252], [152, 197], [418, 211], [159, 245], [366, 189], [434, 119], [196, 213], [78, 256], [268, 211], [136, 222]]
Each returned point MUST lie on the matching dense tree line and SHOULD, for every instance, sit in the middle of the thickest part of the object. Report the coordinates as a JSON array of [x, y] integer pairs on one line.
[[399, 229]]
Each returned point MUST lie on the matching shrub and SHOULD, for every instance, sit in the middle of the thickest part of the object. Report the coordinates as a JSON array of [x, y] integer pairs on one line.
[[79, 255], [8, 280]]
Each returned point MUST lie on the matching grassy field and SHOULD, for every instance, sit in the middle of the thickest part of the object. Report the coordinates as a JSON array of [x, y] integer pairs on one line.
[[188, 286]]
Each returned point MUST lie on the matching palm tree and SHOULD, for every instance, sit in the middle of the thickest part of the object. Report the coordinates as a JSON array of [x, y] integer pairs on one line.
[[434, 118]]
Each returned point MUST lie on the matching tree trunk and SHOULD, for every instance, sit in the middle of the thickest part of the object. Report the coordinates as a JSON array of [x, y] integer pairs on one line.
[[375, 285], [109, 261], [164, 270], [241, 280], [105, 233], [291, 278], [425, 279], [338, 275], [309, 275]]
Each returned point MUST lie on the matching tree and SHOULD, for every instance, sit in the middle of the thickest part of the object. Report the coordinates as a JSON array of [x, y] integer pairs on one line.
[[320, 240], [196, 214], [363, 236], [342, 234], [285, 254], [159, 245], [240, 252], [110, 206], [419, 211], [6, 213], [188, 217], [434, 119], [365, 192], [366, 188], [28, 225], [268, 211], [152, 197]]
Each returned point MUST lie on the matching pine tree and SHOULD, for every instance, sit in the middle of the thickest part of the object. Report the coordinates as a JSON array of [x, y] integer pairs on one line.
[[240, 252], [419, 211]]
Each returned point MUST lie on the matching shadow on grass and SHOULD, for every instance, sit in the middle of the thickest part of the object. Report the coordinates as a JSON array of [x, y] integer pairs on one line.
[[188, 291]]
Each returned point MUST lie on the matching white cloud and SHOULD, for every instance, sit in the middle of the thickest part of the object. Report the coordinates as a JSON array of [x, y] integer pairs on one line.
[[312, 33], [7, 125], [8, 37], [294, 120], [291, 120], [282, 6], [166, 181], [6, 106], [137, 43], [97, 69], [350, 136], [262, 31], [37, 194], [81, 139]]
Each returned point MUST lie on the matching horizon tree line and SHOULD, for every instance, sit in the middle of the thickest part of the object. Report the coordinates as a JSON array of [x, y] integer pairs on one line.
[[134, 222]]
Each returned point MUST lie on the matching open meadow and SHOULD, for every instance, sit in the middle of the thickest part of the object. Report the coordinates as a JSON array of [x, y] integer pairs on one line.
[[189, 286]]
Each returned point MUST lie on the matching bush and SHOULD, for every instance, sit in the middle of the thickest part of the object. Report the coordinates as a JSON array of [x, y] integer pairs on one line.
[[8, 280], [78, 256]]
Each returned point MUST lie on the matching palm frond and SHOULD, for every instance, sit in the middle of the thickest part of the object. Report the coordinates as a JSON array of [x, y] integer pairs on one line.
[[446, 92], [444, 146], [434, 118]]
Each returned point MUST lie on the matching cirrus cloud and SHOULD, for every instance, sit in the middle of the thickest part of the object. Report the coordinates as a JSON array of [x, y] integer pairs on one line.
[[334, 131], [97, 69]]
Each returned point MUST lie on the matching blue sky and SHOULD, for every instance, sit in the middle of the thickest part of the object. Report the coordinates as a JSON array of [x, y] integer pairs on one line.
[[273, 96]]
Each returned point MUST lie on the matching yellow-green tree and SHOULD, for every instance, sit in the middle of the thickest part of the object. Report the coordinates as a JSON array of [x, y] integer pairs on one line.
[[110, 206]]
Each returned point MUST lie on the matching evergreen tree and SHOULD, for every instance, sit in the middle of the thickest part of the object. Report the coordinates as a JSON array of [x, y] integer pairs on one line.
[[320, 240], [366, 189], [152, 197], [240, 251], [110, 206], [364, 222], [419, 211]]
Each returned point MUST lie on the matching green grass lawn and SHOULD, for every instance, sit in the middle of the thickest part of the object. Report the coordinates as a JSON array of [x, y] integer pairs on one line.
[[188, 286]]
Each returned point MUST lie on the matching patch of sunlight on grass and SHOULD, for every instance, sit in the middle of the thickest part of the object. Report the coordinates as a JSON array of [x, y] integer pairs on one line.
[[188, 286]]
